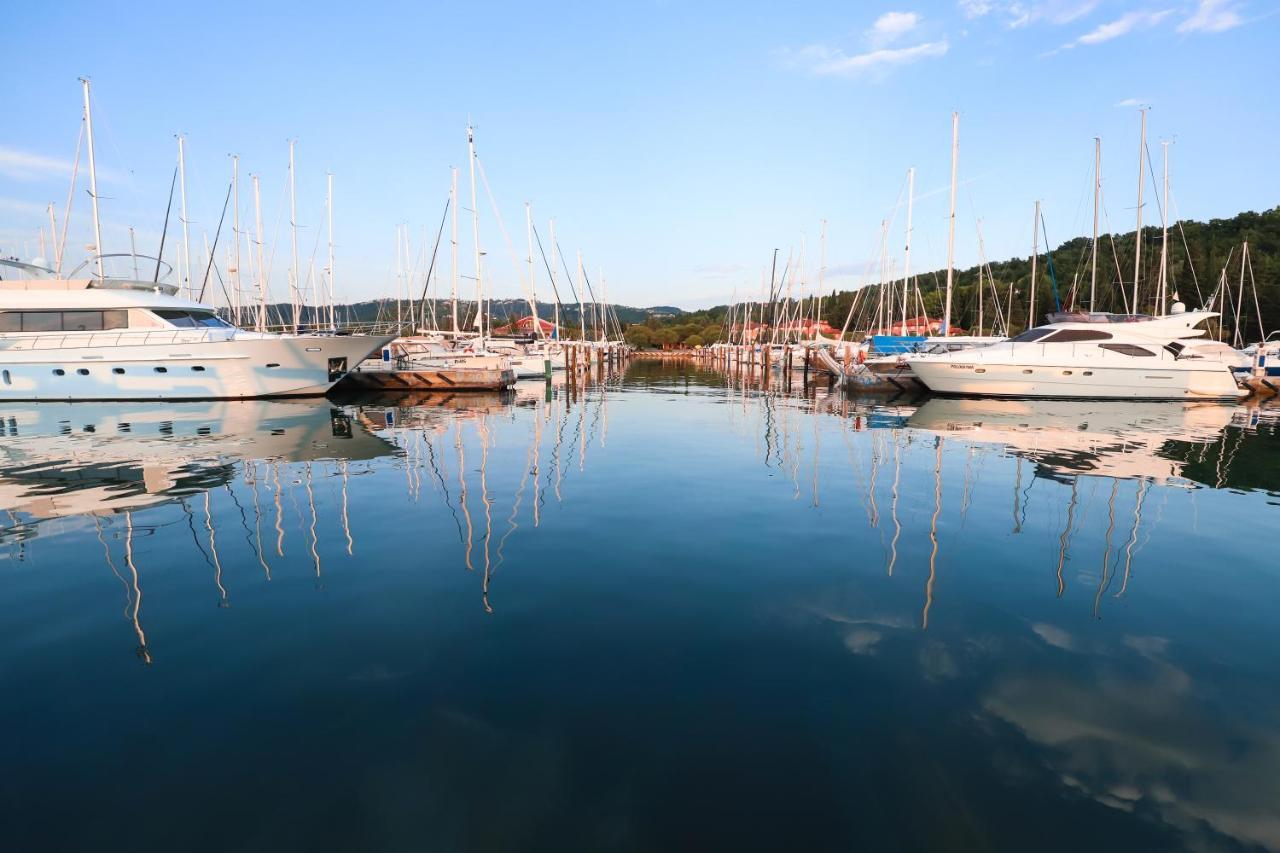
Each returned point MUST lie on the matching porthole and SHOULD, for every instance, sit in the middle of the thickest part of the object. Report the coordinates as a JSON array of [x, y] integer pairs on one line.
[[162, 370], [979, 370], [117, 370], [272, 364], [1088, 373], [58, 371], [1027, 371], [1066, 373], [83, 371], [198, 369]]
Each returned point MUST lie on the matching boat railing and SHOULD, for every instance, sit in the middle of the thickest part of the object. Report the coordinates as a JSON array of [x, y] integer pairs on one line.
[[117, 338]]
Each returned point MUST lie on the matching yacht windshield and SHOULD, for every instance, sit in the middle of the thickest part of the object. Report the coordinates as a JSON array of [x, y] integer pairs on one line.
[[192, 319], [1031, 335]]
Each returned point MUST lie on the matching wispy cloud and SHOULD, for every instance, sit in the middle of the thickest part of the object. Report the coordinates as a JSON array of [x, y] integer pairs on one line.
[[1212, 16], [25, 166], [1020, 13], [892, 26], [833, 62], [877, 57], [21, 207], [1121, 26], [1133, 102]]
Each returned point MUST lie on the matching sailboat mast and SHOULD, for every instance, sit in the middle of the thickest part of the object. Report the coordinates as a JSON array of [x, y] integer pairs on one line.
[[533, 286], [906, 261], [293, 228], [93, 177], [262, 270], [582, 306], [1164, 238], [554, 292], [951, 223], [1035, 256], [235, 231], [1137, 234], [475, 229], [453, 249], [186, 236], [329, 205], [1097, 197], [822, 272]]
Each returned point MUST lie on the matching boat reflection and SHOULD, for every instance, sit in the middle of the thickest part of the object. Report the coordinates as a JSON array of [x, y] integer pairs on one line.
[[1065, 438], [109, 462]]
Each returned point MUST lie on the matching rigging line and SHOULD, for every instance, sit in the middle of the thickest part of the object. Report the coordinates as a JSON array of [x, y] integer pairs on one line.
[[165, 230], [426, 284], [213, 252], [555, 291]]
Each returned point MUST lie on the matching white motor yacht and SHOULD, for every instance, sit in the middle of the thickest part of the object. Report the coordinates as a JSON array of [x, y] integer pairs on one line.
[[1095, 356], [85, 337]]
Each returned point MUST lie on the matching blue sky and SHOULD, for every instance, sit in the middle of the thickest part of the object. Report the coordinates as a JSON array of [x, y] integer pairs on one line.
[[676, 144]]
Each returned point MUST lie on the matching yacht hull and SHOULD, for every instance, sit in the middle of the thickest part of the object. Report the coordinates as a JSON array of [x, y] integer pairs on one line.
[[1096, 382], [233, 368]]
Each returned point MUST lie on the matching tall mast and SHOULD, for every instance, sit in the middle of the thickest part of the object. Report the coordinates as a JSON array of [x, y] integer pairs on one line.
[[235, 229], [186, 236], [1097, 196], [293, 228], [1137, 234], [1035, 256], [533, 286], [262, 270], [453, 248], [582, 305], [1164, 238], [822, 271], [475, 228], [93, 177], [951, 222], [554, 292], [906, 261], [329, 205]]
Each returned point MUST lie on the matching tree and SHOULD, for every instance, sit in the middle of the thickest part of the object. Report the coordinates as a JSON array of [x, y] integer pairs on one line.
[[639, 336], [693, 341]]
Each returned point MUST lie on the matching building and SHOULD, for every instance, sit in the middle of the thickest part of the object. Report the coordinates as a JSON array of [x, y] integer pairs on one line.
[[524, 326], [917, 326]]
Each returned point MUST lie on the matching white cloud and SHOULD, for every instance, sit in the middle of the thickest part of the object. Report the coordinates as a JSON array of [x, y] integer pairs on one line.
[[976, 8], [828, 62], [1019, 13], [1133, 102], [1212, 16], [1121, 26], [25, 166], [892, 26]]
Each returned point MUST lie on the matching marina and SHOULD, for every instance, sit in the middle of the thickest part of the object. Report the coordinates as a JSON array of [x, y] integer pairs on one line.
[[1014, 603], [640, 427]]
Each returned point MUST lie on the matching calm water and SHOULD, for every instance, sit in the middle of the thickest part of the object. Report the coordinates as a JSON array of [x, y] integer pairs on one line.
[[664, 613]]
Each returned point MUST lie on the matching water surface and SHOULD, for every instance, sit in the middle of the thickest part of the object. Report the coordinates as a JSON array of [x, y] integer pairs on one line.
[[665, 611]]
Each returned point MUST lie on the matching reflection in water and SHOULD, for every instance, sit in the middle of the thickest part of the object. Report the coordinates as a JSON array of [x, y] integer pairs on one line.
[[1031, 616]]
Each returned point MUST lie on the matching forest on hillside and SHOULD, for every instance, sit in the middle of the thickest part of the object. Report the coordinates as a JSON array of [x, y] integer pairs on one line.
[[1201, 255]]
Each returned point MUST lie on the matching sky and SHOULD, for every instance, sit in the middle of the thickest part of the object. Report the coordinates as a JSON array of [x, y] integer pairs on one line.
[[676, 145]]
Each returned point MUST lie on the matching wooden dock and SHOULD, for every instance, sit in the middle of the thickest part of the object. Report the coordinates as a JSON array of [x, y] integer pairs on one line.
[[424, 379]]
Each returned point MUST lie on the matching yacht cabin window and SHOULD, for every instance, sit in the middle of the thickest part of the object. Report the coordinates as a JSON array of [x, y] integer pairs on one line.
[[1129, 349], [63, 321], [191, 319], [1073, 336], [1031, 335]]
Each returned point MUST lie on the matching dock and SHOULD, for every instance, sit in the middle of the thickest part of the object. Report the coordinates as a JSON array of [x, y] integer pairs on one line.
[[426, 379]]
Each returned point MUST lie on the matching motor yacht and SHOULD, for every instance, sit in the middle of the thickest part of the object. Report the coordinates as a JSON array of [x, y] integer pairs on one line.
[[1090, 355], [89, 336]]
